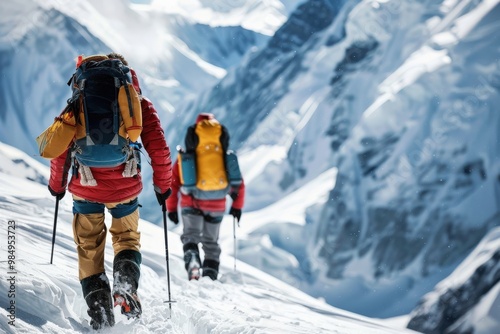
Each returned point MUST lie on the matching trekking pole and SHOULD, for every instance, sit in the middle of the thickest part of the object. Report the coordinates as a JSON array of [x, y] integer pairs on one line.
[[234, 239], [54, 231], [164, 209]]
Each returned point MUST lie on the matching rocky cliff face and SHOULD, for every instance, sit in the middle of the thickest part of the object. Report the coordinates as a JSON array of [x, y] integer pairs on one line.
[[468, 300], [248, 95], [418, 184]]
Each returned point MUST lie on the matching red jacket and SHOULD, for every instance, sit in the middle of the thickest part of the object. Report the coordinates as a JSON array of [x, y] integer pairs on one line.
[[215, 206], [111, 185]]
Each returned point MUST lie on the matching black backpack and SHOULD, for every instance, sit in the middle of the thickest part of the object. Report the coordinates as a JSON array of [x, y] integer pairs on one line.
[[107, 109]]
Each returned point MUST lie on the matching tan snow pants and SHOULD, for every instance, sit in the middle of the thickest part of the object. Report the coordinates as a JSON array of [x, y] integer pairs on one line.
[[90, 231]]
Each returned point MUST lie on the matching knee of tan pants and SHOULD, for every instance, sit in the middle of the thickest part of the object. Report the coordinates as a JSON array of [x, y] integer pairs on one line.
[[89, 233], [125, 234]]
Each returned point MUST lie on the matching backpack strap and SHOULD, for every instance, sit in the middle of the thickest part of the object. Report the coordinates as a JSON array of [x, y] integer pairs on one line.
[[224, 138], [129, 101], [191, 140]]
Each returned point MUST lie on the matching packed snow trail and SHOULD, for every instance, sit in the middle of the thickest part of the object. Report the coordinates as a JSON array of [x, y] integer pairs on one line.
[[48, 298]]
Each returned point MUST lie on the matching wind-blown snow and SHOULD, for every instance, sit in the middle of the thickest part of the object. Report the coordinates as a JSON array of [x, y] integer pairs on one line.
[[264, 17]]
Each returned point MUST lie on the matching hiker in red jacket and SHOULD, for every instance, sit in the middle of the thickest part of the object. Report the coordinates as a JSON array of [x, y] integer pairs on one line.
[[202, 217], [110, 189]]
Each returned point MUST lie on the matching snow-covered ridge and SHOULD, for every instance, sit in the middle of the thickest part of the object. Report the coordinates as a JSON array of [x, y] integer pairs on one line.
[[19, 165], [257, 15], [469, 299]]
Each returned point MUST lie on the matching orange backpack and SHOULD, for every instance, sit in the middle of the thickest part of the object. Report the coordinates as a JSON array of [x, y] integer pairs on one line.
[[207, 169]]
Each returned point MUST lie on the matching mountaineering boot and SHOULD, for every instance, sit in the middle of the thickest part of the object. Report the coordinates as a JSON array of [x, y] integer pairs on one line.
[[192, 260], [126, 274], [210, 269], [130, 305], [97, 294]]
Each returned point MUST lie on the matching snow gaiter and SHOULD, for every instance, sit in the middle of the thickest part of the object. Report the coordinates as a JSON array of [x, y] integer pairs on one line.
[[126, 271], [97, 294], [126, 274], [211, 269], [191, 256]]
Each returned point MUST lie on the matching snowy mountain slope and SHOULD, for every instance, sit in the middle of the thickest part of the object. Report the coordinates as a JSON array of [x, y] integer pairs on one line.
[[229, 43], [256, 15], [245, 97], [40, 39], [19, 164], [175, 55], [398, 95], [48, 298], [37, 49], [282, 225], [419, 175], [468, 300], [401, 97]]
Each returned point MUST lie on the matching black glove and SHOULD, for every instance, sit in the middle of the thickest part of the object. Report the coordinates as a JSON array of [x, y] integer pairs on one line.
[[162, 197], [233, 195], [174, 217], [58, 196], [236, 213]]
